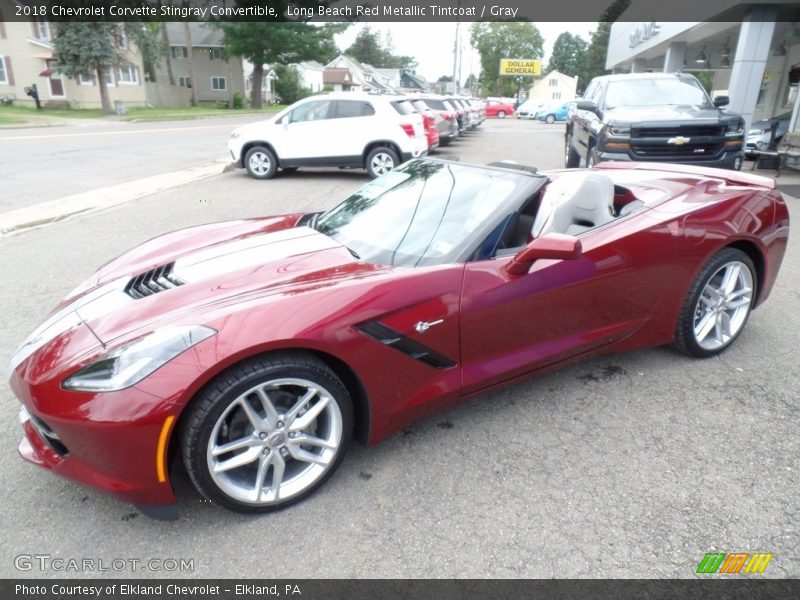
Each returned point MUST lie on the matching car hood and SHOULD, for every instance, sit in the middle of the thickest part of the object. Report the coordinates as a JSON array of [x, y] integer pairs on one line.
[[650, 114], [181, 279]]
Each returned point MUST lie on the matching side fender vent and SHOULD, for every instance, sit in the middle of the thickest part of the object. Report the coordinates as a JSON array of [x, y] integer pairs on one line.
[[152, 282], [389, 337]]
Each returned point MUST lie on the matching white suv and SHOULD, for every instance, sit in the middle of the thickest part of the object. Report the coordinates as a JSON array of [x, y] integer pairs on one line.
[[342, 129]]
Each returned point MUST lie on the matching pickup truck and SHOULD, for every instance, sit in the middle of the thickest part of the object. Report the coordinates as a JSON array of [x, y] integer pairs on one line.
[[652, 117]]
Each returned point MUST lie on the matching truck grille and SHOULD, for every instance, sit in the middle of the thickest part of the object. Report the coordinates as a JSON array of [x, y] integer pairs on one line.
[[690, 150], [677, 130], [152, 282]]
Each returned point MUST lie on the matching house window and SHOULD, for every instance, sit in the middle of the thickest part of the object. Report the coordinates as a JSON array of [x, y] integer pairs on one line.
[[42, 30], [184, 81], [108, 75], [215, 53], [179, 52], [3, 70], [218, 84], [128, 74], [556, 95], [86, 80], [553, 82]]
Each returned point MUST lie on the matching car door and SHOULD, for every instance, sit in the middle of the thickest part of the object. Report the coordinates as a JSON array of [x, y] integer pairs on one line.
[[352, 128], [305, 138], [512, 325], [584, 119]]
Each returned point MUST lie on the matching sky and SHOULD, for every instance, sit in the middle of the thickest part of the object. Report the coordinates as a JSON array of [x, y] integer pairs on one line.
[[432, 43]]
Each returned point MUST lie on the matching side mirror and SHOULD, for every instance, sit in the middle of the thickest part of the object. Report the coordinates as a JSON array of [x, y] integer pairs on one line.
[[721, 101], [586, 105], [552, 245]]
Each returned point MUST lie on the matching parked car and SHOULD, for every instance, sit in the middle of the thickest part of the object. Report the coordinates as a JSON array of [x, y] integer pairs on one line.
[[653, 117], [254, 350], [448, 124], [345, 129], [430, 122], [501, 110], [760, 133], [528, 109], [464, 116], [551, 114]]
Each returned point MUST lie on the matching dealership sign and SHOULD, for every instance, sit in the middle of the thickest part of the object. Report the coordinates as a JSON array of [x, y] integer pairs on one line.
[[643, 32], [520, 66]]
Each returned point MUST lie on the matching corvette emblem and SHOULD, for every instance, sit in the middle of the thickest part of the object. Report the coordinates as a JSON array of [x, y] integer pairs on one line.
[[679, 141]]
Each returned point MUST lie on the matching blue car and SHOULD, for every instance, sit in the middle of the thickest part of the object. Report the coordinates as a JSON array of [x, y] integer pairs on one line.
[[550, 114]]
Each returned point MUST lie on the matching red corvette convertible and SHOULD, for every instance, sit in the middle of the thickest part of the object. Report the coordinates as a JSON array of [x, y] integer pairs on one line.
[[255, 350]]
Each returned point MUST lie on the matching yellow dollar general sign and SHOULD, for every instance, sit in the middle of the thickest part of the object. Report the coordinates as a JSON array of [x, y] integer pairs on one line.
[[520, 66]]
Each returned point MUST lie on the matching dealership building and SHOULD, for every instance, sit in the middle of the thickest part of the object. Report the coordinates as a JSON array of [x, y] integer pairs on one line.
[[752, 49]]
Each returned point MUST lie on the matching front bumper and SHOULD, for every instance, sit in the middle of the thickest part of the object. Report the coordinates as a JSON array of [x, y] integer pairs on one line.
[[115, 441], [726, 160]]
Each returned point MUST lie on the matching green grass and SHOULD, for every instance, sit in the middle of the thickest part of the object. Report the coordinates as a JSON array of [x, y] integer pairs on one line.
[[193, 112], [16, 114]]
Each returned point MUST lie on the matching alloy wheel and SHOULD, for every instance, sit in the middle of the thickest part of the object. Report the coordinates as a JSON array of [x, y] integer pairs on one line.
[[274, 441], [722, 308]]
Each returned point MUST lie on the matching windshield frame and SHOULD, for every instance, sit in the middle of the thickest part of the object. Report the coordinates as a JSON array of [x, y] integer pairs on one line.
[[525, 185]]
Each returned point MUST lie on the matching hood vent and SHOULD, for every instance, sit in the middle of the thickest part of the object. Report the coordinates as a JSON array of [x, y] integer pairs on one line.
[[152, 282]]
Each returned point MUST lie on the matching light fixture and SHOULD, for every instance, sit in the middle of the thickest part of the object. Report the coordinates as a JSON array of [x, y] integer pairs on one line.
[[726, 49], [780, 50], [702, 57]]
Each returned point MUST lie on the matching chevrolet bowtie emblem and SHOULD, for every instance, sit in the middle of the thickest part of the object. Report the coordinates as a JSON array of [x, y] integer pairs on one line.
[[679, 141]]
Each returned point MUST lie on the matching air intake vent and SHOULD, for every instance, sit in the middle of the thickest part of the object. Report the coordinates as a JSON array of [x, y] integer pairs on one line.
[[395, 339], [154, 281]]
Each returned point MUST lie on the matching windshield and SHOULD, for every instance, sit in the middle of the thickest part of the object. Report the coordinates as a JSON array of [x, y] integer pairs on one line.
[[422, 213], [657, 92]]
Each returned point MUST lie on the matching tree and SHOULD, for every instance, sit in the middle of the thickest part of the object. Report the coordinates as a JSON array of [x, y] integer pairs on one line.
[[89, 48], [367, 48], [598, 47], [569, 57], [147, 37], [288, 85], [283, 42], [504, 39]]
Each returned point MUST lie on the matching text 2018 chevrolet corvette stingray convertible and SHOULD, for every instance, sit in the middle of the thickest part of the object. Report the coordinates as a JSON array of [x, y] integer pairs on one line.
[[255, 350]]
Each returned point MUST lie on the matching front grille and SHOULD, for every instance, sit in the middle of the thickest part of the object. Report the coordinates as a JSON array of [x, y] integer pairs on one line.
[[48, 435], [697, 151], [152, 282], [677, 130]]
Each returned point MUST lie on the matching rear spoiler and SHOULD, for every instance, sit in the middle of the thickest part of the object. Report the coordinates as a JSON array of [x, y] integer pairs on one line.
[[732, 177]]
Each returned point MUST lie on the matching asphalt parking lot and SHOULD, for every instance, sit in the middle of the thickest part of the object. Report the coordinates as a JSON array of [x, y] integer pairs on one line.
[[627, 466]]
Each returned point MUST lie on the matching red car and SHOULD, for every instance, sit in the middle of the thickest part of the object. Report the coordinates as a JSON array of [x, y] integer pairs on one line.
[[501, 110], [255, 350]]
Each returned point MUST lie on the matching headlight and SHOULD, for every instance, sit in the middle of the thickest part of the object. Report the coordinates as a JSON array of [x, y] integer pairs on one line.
[[735, 127], [129, 364], [619, 129]]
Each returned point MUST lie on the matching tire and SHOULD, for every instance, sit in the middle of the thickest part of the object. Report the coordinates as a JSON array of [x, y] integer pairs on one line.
[[550, 119], [260, 162], [501, 114], [717, 305], [380, 161], [257, 406], [572, 159]]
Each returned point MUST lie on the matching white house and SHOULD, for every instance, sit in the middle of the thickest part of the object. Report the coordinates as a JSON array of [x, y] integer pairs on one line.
[[553, 88], [311, 75]]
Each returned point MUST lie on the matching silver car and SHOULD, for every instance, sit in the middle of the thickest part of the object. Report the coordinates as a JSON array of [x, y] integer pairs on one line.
[[446, 121]]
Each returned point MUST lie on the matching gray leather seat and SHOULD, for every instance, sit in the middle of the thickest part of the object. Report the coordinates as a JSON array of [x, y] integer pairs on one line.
[[575, 203]]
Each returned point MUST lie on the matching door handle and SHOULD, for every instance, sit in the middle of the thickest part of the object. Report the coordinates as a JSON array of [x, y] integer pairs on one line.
[[423, 326]]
